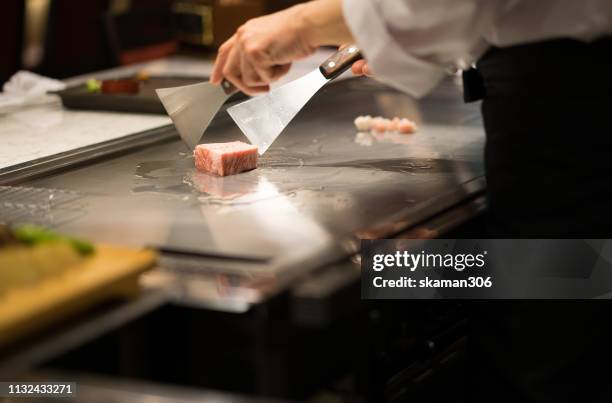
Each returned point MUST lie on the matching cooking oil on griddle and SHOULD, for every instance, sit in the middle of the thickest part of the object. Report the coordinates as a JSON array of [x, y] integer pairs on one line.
[[40, 206]]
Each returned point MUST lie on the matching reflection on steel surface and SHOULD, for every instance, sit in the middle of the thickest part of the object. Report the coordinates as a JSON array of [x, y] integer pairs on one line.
[[48, 207], [315, 189]]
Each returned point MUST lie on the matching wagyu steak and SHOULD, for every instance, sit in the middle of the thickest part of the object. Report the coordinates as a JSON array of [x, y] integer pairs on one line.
[[225, 158]]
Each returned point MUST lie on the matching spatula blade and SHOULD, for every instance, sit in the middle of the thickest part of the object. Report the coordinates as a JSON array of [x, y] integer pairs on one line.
[[263, 118], [192, 108]]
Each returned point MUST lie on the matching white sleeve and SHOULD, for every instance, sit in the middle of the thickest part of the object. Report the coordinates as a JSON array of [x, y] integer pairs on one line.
[[411, 44]]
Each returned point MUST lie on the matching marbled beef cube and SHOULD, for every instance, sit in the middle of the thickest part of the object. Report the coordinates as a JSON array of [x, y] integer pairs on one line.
[[225, 158]]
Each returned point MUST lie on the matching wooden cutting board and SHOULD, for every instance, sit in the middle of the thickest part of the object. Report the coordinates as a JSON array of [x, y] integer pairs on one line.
[[111, 272]]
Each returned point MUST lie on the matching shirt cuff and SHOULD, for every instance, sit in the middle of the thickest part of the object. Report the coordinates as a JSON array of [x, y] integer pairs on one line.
[[390, 63]]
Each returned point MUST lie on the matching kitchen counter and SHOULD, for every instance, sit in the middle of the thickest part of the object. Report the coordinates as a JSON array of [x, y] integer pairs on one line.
[[292, 225], [319, 189]]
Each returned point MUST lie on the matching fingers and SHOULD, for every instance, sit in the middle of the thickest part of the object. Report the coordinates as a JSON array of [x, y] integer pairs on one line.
[[253, 73], [279, 71], [228, 65], [217, 73], [232, 71], [357, 67], [258, 66], [246, 64], [246, 74], [267, 69], [250, 76], [231, 68], [257, 90], [361, 68]]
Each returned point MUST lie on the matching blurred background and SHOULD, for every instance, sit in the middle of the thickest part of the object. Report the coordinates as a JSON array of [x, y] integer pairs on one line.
[[62, 38]]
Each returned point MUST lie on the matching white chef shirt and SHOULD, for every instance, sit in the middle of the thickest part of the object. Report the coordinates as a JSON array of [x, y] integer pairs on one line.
[[412, 44]]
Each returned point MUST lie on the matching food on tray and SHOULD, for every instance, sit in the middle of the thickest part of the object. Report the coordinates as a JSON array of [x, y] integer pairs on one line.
[[31, 254], [362, 123], [225, 158], [143, 75], [406, 126], [118, 86], [122, 86], [380, 125], [93, 85]]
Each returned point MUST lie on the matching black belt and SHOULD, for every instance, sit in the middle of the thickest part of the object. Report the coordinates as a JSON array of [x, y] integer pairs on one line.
[[561, 67]]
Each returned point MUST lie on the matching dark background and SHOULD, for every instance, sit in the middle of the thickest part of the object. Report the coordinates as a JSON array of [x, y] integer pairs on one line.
[[83, 36]]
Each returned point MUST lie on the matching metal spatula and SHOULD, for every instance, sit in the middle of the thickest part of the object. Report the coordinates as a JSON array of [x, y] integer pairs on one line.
[[263, 118], [192, 107]]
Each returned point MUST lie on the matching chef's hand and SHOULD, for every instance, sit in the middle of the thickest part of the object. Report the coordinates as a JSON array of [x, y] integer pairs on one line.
[[262, 49], [361, 68]]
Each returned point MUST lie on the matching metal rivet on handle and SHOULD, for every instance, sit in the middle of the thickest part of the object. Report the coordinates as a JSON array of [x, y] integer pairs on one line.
[[352, 49], [331, 64]]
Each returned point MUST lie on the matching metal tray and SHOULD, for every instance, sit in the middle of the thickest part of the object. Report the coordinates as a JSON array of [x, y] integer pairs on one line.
[[146, 101]]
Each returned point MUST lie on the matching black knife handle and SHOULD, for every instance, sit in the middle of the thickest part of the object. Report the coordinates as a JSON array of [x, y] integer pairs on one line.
[[340, 61], [228, 87]]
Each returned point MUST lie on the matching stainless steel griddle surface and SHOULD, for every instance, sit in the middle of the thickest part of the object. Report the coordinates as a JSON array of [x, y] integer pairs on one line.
[[320, 185]]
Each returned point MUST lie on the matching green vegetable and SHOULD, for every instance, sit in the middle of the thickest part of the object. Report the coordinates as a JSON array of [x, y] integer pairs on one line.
[[83, 247], [94, 85], [33, 235]]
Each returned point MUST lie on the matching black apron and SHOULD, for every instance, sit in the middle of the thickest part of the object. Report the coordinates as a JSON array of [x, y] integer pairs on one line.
[[547, 110]]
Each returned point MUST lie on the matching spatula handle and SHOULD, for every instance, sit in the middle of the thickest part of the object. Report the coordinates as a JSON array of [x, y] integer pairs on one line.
[[340, 61], [228, 87]]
